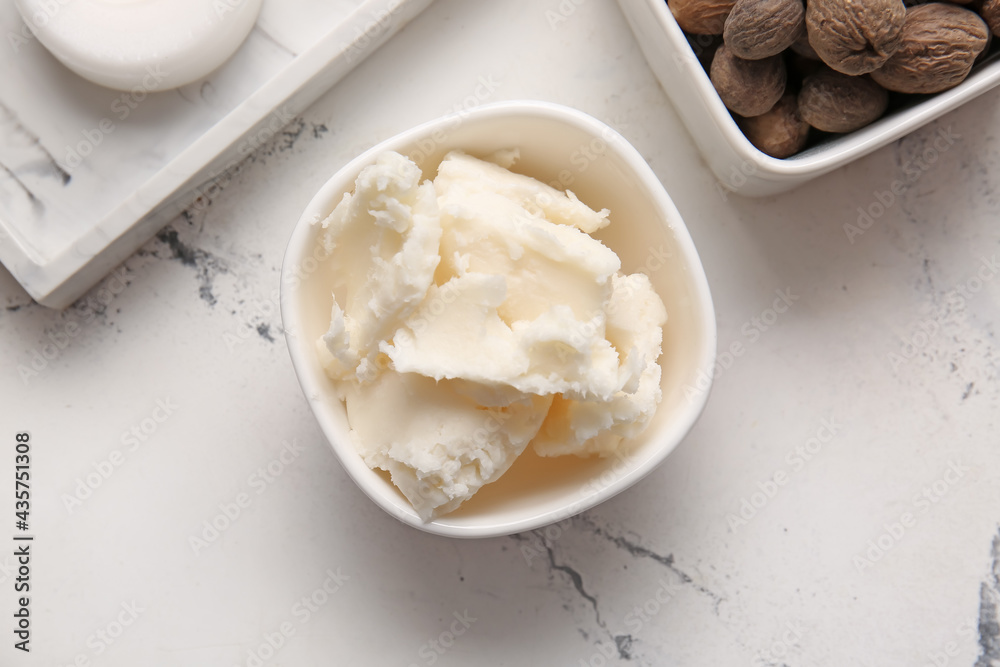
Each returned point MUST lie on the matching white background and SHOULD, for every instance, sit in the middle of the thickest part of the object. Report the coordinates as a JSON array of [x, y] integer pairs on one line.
[[197, 327]]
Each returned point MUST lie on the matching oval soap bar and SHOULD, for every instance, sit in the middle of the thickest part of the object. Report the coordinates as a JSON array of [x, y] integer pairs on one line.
[[145, 44]]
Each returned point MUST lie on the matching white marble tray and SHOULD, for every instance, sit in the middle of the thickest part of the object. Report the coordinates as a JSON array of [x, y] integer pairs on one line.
[[88, 174]]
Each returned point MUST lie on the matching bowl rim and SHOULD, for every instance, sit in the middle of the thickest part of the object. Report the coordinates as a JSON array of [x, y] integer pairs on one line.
[[327, 196], [824, 158]]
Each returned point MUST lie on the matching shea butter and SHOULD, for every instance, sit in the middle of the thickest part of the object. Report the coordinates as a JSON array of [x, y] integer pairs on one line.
[[474, 315]]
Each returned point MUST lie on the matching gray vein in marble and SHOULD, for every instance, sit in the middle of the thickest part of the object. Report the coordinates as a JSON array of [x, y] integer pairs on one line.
[[35, 201], [577, 580], [291, 136], [204, 96], [624, 645], [283, 140], [989, 618], [910, 169], [207, 85], [47, 165], [622, 642], [968, 390], [264, 331], [16, 306], [189, 216], [639, 551], [207, 265], [269, 37], [182, 93]]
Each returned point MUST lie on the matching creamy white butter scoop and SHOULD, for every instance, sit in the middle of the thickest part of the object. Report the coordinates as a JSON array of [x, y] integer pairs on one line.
[[141, 44]]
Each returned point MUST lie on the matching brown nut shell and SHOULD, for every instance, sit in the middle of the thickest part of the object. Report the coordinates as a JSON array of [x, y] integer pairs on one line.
[[802, 47], [855, 36], [704, 47], [835, 102], [701, 17], [748, 87], [991, 14], [780, 132], [799, 67], [757, 29], [940, 45]]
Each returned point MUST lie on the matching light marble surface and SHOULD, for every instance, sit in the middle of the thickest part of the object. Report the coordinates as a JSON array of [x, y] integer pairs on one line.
[[190, 328]]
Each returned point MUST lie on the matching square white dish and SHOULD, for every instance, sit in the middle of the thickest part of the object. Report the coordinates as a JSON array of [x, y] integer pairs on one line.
[[88, 174], [738, 165]]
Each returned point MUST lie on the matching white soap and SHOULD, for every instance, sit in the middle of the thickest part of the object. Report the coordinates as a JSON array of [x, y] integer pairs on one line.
[[146, 45]]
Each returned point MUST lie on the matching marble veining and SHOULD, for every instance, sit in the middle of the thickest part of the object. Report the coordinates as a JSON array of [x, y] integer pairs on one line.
[[707, 561], [989, 612]]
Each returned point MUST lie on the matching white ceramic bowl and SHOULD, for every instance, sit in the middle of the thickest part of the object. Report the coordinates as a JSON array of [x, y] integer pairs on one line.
[[737, 164], [647, 233]]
